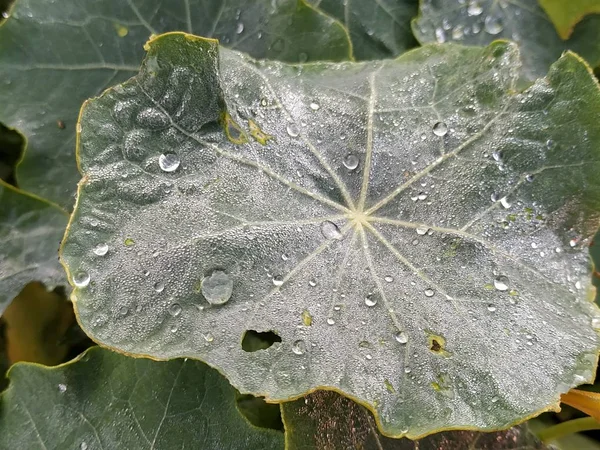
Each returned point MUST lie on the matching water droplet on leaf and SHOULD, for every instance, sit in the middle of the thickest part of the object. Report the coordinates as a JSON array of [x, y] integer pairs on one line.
[[370, 300], [168, 162], [501, 283], [277, 280], [331, 231], [401, 337], [217, 288], [81, 279], [440, 129], [175, 309], [292, 130], [351, 162], [101, 249], [159, 286], [240, 28], [299, 347], [493, 25], [429, 292]]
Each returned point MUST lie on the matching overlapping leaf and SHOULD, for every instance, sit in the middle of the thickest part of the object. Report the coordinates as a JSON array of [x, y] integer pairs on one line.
[[412, 230], [325, 420], [565, 15], [108, 401], [30, 233], [54, 55], [479, 22], [378, 29]]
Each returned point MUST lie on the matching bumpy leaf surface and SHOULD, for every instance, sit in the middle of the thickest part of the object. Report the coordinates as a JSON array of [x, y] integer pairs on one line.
[[565, 15], [479, 22], [30, 234], [109, 401], [378, 29], [55, 54], [412, 230], [325, 420]]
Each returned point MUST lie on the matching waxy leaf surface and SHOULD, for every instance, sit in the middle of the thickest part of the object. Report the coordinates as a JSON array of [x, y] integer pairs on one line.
[[105, 400], [56, 54], [479, 22], [411, 232]]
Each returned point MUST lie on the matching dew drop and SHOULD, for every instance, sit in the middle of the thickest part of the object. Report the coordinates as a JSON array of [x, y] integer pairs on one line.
[[217, 288], [159, 286], [123, 311], [312, 283], [240, 28], [175, 309], [370, 300], [494, 399], [62, 387], [5, 15], [596, 322], [491, 308], [314, 106], [81, 279], [292, 130], [440, 129], [497, 156], [208, 337], [351, 162], [493, 25], [529, 178], [501, 283], [573, 242], [331, 231], [474, 8], [429, 292], [83, 446], [401, 337], [330, 321], [407, 370], [505, 203], [168, 162], [285, 256], [299, 347], [368, 356], [101, 249], [389, 279], [421, 231], [277, 280]]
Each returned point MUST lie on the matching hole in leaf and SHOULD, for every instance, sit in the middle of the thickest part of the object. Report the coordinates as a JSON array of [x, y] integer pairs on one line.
[[254, 341], [260, 413], [11, 151], [435, 346]]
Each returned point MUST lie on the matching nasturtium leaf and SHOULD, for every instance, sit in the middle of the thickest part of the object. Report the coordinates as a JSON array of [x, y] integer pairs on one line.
[[566, 14], [54, 55], [378, 29], [327, 421], [106, 400], [479, 22], [30, 234], [413, 230]]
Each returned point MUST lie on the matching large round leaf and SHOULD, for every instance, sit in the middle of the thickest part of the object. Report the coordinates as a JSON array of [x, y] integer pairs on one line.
[[54, 55], [104, 400], [479, 22], [412, 230]]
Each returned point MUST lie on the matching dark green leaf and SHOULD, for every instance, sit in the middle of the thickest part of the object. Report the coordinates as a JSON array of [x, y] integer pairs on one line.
[[378, 29], [108, 401], [412, 230], [54, 55], [325, 420], [30, 234], [566, 14], [479, 22]]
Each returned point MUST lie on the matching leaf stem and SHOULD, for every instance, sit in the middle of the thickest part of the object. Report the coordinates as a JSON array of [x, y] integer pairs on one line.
[[569, 427]]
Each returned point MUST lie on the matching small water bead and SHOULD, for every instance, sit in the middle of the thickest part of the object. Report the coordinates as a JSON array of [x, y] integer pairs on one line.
[[401, 337], [495, 399], [501, 283], [389, 279], [169, 162], [407, 370], [493, 25], [370, 300], [351, 161], [573, 242], [330, 321], [596, 322], [62, 387], [497, 156], [5, 15], [83, 446], [429, 292], [331, 231], [123, 311], [217, 287], [505, 203], [81, 279], [240, 28], [314, 106], [292, 130], [277, 280], [159, 286], [312, 283], [175, 309], [208, 337], [440, 129], [474, 8], [368, 356], [337, 308], [285, 256], [101, 249], [299, 347], [421, 231], [529, 178], [491, 308]]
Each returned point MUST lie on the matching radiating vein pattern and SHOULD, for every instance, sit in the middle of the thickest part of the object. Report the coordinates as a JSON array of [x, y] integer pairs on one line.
[[414, 230]]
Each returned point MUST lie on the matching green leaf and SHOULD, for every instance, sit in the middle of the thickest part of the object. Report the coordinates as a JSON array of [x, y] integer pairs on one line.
[[565, 15], [106, 400], [349, 209], [55, 55], [327, 421], [30, 233], [378, 30], [479, 22]]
